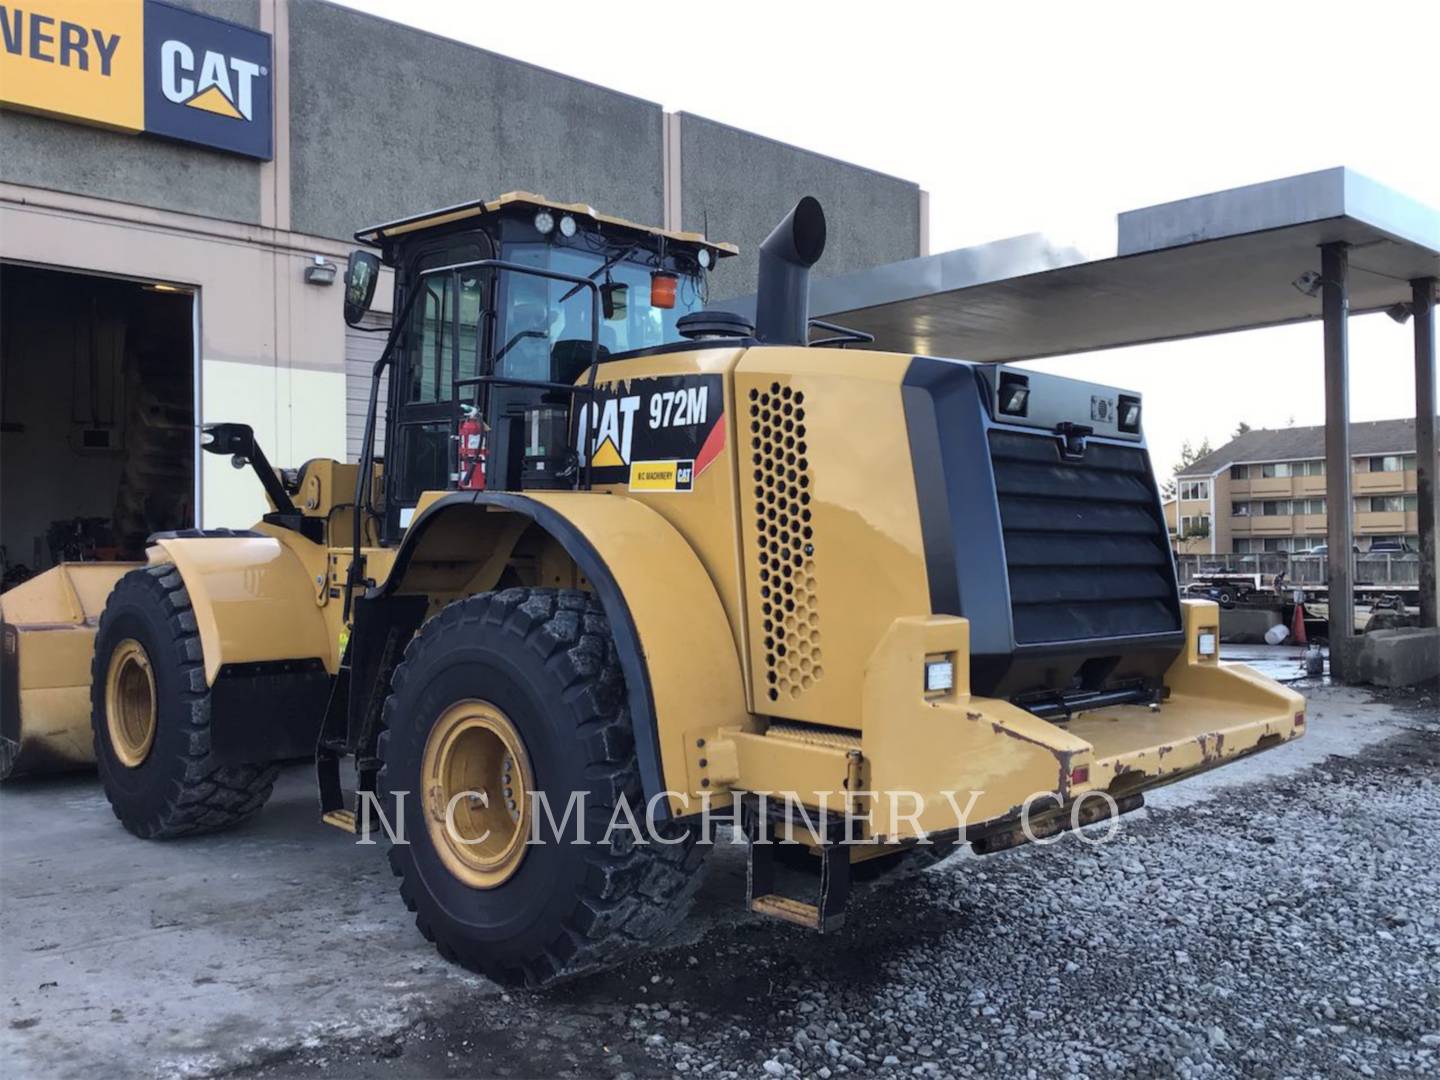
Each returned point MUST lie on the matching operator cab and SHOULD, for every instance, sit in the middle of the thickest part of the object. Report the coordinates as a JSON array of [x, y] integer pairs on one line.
[[503, 308]]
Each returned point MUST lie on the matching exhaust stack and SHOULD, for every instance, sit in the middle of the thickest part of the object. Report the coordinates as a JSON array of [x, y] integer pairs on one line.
[[782, 300]]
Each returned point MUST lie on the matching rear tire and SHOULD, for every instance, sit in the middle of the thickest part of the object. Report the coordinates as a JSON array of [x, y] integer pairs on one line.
[[544, 660], [150, 715]]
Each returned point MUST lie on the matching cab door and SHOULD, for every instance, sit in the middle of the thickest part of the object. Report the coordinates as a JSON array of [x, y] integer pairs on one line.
[[445, 339]]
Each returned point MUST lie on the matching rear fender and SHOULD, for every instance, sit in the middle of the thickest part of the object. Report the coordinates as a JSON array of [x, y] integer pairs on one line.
[[682, 669]]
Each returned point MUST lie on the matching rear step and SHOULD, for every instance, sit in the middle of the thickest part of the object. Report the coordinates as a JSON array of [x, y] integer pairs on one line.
[[827, 913], [341, 819]]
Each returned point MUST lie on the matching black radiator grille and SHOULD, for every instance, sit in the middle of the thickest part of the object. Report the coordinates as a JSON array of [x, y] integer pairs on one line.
[[1086, 550]]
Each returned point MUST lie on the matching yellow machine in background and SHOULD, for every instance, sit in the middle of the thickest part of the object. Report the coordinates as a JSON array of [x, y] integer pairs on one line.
[[638, 553]]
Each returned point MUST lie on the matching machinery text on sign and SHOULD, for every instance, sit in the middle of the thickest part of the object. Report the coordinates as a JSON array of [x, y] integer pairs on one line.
[[141, 65]]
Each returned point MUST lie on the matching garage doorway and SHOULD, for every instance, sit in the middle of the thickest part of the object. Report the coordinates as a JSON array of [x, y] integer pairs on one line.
[[97, 416]]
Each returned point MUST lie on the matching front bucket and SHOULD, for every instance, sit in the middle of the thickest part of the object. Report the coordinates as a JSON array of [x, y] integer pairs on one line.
[[47, 638]]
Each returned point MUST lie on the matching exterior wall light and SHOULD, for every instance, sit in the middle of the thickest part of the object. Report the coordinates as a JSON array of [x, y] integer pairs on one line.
[[320, 271]]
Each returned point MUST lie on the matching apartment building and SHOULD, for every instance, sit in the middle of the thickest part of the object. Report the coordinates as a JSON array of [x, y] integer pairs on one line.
[[1264, 491]]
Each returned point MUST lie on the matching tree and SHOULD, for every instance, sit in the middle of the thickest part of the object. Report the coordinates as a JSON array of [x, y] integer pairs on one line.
[[1240, 429], [1189, 454]]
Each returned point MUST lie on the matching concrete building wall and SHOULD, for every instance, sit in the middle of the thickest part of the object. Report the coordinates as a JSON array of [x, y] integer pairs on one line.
[[387, 121], [736, 185], [131, 168], [375, 121]]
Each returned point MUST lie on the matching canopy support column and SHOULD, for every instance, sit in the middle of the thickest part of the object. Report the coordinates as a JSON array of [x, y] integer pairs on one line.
[[1423, 309], [1339, 516]]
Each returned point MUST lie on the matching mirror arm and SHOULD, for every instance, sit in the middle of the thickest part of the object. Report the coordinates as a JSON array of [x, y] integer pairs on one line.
[[603, 267]]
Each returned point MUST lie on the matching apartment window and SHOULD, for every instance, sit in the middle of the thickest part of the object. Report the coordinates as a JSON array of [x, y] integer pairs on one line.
[[1240, 509], [1412, 502], [1279, 543], [1275, 507], [1276, 469], [1239, 472], [1388, 463], [1408, 462], [1244, 546], [1198, 525], [1383, 504], [1192, 490], [1310, 468], [1310, 506]]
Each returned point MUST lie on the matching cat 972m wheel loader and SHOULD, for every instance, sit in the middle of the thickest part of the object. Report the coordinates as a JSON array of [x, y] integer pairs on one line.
[[629, 556]]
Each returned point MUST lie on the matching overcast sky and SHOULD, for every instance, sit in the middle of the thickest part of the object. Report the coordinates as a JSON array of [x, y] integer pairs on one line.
[[1025, 117]]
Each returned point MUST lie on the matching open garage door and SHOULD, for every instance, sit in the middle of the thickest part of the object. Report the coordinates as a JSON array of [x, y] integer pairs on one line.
[[97, 403]]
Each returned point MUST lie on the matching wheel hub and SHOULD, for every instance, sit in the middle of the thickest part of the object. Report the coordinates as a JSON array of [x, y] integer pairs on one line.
[[130, 705], [476, 778]]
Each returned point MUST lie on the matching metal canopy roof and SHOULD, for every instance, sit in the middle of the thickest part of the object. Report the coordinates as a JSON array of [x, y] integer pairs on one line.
[[1206, 265]]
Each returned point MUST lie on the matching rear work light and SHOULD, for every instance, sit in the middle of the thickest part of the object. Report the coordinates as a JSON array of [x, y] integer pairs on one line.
[[1014, 394], [1127, 414], [1300, 719], [939, 676]]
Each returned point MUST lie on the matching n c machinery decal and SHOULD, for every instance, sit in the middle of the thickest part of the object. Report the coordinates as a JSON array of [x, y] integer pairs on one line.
[[141, 65], [657, 434]]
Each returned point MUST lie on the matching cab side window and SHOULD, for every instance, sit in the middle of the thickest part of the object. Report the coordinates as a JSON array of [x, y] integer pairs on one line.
[[443, 317]]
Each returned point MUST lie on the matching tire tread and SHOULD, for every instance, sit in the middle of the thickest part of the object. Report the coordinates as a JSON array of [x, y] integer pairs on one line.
[[632, 895]]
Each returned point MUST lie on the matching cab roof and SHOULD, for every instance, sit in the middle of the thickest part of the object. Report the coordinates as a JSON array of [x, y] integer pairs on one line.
[[379, 234]]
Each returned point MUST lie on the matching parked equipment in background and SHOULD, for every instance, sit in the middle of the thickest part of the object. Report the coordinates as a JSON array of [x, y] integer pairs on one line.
[[1224, 588], [693, 563]]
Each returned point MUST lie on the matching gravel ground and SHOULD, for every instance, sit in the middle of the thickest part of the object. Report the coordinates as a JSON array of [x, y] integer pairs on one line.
[[1288, 927]]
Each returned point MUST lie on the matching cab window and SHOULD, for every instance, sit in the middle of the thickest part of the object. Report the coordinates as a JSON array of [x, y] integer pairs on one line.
[[541, 314], [448, 310]]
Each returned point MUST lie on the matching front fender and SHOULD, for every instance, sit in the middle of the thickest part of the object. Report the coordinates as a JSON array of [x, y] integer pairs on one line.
[[252, 597], [682, 669]]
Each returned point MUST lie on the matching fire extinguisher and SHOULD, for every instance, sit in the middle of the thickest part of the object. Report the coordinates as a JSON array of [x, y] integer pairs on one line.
[[472, 449]]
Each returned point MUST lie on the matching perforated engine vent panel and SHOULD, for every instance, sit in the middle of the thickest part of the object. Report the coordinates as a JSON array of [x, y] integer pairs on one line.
[[785, 549]]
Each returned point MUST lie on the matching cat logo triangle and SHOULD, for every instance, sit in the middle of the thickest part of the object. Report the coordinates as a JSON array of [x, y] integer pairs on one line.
[[213, 100], [606, 455]]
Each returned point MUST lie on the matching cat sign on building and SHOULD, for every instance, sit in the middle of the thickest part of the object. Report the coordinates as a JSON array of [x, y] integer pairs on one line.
[[140, 66]]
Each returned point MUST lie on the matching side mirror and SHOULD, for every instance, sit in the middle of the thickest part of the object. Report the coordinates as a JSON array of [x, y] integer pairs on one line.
[[614, 300], [362, 271], [236, 440]]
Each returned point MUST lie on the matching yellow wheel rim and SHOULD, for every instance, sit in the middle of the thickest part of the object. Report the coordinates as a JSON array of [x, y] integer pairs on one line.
[[130, 703], [477, 779]]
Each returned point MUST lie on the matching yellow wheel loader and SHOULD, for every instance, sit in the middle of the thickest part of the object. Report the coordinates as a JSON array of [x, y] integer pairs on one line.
[[632, 560]]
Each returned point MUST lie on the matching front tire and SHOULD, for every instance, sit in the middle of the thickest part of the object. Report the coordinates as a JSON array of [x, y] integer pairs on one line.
[[150, 716], [519, 693]]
